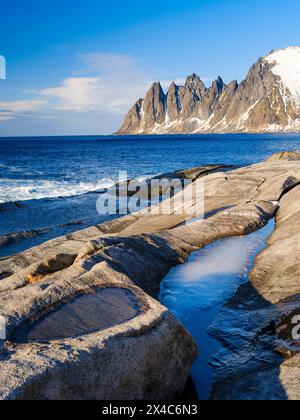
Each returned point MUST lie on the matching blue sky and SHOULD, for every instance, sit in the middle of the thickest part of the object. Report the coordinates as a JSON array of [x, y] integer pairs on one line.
[[75, 67]]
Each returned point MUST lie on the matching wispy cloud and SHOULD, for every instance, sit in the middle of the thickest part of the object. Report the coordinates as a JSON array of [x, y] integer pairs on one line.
[[5, 117], [115, 84], [109, 63], [105, 85], [74, 94], [21, 106], [11, 110]]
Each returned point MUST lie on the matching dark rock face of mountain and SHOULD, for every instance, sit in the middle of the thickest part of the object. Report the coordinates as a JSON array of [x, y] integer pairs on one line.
[[132, 121], [174, 102], [148, 112], [267, 100], [154, 106]]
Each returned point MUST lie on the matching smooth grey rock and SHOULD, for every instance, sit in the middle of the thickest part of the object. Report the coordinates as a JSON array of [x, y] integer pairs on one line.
[[260, 355], [127, 356]]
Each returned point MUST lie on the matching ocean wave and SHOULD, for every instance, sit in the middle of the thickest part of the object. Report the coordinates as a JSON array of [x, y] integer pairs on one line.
[[22, 190]]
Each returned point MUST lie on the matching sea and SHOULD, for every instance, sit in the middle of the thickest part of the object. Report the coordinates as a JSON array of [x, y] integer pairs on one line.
[[49, 185]]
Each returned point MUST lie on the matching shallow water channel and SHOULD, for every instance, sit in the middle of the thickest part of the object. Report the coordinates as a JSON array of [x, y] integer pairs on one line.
[[197, 290]]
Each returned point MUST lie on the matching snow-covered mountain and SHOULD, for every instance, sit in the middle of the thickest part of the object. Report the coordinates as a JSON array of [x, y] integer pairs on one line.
[[268, 100]]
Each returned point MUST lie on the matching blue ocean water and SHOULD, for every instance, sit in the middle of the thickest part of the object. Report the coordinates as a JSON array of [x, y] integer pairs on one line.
[[64, 166], [54, 180]]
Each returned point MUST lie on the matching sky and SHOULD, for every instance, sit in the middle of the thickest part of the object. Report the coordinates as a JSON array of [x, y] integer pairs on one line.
[[75, 67]]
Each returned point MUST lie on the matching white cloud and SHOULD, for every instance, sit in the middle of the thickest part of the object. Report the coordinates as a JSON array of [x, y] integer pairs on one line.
[[74, 94], [12, 110], [21, 106], [102, 90], [5, 118], [115, 85], [109, 63]]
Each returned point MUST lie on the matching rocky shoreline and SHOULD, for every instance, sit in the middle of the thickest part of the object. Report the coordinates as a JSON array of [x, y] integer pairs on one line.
[[27, 224], [138, 350]]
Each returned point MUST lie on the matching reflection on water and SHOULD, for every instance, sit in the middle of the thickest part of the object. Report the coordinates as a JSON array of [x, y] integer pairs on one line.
[[196, 291]]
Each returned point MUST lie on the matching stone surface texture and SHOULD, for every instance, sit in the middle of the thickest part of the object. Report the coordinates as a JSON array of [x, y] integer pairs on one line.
[[147, 354]]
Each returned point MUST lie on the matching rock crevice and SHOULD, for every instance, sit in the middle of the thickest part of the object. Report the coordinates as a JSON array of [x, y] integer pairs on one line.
[[128, 357]]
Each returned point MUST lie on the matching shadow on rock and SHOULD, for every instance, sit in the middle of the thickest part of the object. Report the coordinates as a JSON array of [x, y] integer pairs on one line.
[[257, 339]]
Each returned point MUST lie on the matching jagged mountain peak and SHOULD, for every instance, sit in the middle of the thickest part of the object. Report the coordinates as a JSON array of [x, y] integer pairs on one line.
[[193, 81], [218, 85], [233, 83], [193, 78], [219, 80], [173, 87], [268, 100], [156, 87]]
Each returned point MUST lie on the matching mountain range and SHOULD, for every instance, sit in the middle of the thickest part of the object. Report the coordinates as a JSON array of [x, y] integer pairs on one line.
[[268, 100]]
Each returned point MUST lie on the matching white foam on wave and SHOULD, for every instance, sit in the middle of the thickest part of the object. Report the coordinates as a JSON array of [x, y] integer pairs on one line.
[[21, 190]]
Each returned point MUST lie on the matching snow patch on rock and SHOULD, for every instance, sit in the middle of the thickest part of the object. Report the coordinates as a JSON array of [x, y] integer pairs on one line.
[[287, 67]]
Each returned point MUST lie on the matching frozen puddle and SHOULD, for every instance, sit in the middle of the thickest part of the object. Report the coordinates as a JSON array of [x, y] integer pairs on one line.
[[197, 290]]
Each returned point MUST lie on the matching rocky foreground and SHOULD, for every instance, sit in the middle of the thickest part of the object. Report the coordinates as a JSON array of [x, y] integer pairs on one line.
[[83, 320]]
